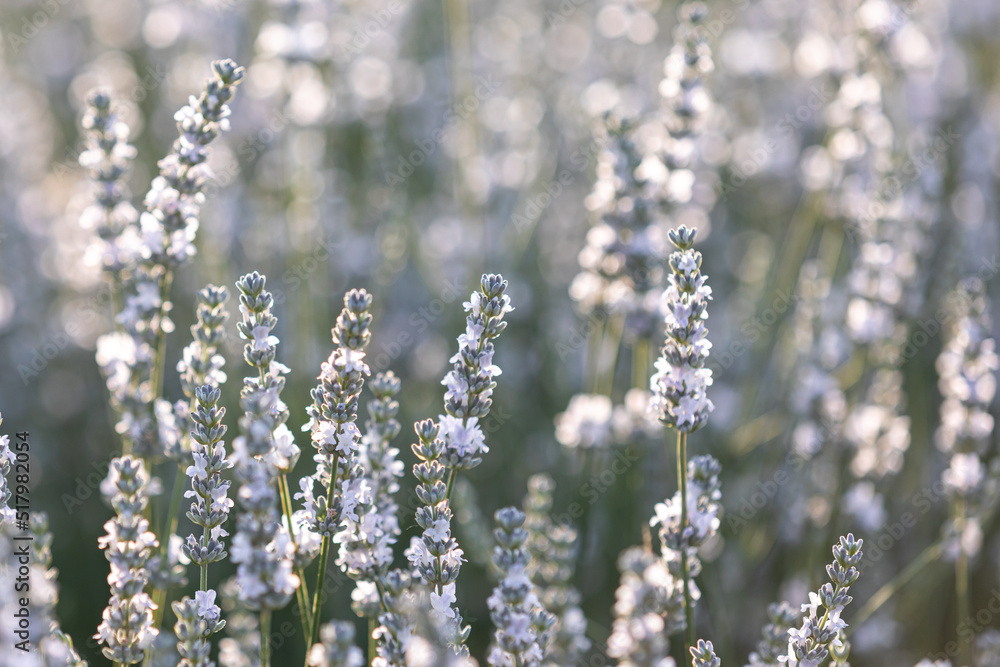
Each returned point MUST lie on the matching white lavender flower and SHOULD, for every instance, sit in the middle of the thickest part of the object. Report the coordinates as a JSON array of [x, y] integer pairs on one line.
[[703, 508], [680, 383], [586, 423], [336, 437], [649, 607], [553, 549], [211, 504], [470, 383], [133, 368], [336, 647], [822, 628], [395, 630], [7, 459], [197, 620], [782, 617], [523, 626], [127, 629], [435, 555], [366, 547], [108, 156], [967, 371], [703, 655], [332, 422], [175, 196], [201, 362], [262, 546], [622, 262], [988, 648]]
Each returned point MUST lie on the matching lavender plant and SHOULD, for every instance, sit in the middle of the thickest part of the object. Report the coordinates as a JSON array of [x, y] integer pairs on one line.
[[523, 626], [680, 399], [262, 547], [127, 629]]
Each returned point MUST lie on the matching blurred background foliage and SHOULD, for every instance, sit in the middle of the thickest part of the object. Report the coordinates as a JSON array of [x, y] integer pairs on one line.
[[407, 147]]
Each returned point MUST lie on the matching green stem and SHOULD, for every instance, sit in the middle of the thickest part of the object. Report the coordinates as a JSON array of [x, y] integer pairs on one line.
[[371, 640], [324, 554], [265, 638], [169, 528], [962, 584], [302, 592], [882, 595], [682, 482]]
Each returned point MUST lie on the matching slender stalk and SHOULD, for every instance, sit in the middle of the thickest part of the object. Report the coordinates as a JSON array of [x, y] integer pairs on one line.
[[962, 585], [929, 555], [302, 592], [265, 638], [160, 340], [682, 482], [371, 640], [324, 554], [169, 528]]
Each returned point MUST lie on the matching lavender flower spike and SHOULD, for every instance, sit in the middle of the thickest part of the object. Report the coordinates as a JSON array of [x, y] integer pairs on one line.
[[822, 629], [127, 629], [680, 383]]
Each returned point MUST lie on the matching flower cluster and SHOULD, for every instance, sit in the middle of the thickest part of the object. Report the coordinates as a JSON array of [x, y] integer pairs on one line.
[[523, 626], [333, 416], [7, 460], [366, 549], [649, 607], [201, 363], [469, 385], [586, 423], [336, 647], [435, 555], [108, 156], [685, 98], [819, 634], [782, 617], [197, 620], [680, 383], [703, 655], [127, 626], [175, 196], [394, 631], [703, 508], [622, 262], [211, 505], [967, 379], [262, 546], [553, 549], [130, 357]]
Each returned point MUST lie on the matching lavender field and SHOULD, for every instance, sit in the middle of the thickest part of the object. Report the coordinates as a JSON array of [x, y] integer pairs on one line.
[[538, 333]]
